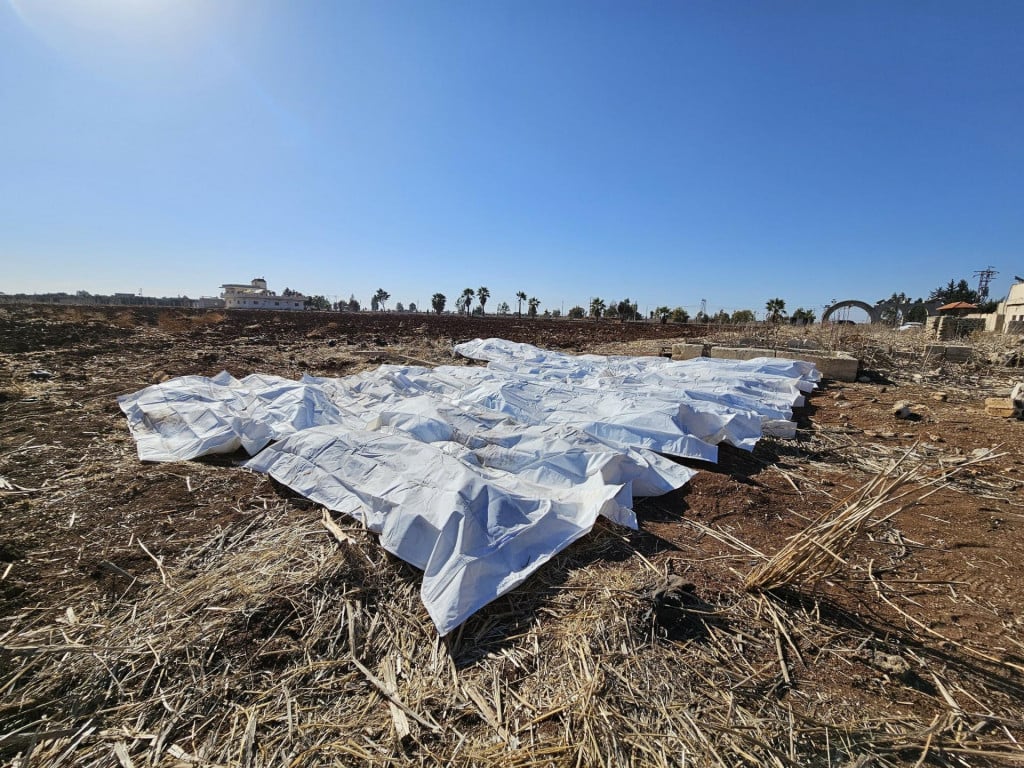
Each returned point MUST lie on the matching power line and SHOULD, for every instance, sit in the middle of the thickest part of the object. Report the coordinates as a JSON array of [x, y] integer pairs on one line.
[[984, 278]]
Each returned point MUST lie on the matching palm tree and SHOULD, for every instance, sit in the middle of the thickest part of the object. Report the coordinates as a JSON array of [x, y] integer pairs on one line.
[[534, 303], [482, 295], [776, 309], [596, 308], [803, 316], [467, 299], [521, 297], [437, 301]]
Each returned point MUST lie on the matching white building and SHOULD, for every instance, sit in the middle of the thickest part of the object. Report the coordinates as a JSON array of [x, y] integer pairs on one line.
[[255, 295], [1012, 309]]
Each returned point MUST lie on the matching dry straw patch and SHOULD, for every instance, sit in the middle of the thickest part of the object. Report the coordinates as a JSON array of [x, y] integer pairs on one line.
[[291, 640], [817, 551]]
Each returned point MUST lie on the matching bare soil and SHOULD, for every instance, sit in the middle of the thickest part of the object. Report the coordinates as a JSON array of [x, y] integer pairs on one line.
[[921, 627]]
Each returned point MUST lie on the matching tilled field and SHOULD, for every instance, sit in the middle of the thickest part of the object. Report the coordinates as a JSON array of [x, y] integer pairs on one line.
[[198, 614]]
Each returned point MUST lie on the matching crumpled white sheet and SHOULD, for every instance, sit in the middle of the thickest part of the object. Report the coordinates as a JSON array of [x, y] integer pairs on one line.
[[476, 475]]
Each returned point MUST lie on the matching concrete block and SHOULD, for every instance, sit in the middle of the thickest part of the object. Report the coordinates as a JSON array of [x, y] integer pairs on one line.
[[837, 366], [1003, 407], [688, 351]]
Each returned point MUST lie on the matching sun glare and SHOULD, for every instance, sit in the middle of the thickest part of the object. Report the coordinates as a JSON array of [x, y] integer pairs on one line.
[[146, 27]]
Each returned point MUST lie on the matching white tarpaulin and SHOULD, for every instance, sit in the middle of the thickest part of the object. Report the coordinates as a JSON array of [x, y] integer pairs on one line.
[[477, 475]]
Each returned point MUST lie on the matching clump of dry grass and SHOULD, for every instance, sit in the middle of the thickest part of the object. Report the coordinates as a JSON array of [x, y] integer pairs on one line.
[[9, 391], [817, 551]]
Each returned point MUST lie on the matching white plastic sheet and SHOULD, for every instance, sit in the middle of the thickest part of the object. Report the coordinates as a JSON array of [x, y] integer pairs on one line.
[[476, 475]]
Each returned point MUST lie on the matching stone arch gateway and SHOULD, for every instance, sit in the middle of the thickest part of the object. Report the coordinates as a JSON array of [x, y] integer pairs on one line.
[[873, 312]]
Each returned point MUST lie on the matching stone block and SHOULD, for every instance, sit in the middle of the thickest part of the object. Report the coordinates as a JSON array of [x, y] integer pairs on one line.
[[688, 351], [1003, 407], [837, 366]]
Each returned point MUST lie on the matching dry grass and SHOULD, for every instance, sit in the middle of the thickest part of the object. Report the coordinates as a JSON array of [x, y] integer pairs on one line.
[[173, 321], [816, 552], [280, 642], [10, 391]]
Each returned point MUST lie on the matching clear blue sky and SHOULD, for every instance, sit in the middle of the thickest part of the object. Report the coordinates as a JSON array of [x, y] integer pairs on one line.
[[665, 151]]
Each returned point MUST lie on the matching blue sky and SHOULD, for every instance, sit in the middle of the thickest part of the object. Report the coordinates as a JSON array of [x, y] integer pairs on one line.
[[669, 152]]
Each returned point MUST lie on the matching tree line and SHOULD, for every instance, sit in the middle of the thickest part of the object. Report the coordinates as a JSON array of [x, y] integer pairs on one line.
[[473, 301]]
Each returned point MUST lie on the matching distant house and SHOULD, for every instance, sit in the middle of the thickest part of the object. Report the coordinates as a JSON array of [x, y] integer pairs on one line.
[[255, 295], [1008, 316]]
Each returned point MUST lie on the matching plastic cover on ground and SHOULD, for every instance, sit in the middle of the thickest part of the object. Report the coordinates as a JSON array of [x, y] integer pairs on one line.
[[476, 475]]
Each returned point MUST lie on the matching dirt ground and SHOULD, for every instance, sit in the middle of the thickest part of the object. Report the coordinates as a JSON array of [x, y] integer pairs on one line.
[[910, 652]]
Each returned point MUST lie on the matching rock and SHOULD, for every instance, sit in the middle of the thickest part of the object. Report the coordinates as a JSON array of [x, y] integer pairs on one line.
[[838, 396], [940, 396], [918, 378], [901, 410], [891, 664]]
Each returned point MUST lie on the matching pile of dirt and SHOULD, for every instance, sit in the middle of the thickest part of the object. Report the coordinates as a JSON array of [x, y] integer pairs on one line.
[[197, 614]]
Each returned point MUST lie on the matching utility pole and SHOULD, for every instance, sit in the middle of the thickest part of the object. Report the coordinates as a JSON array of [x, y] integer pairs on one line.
[[984, 278]]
